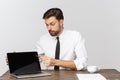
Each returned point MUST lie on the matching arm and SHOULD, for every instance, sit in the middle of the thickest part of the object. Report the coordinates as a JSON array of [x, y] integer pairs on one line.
[[65, 64], [55, 62], [81, 54]]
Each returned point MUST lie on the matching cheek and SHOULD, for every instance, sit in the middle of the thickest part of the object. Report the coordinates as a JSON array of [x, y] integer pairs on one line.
[[58, 26], [55, 27]]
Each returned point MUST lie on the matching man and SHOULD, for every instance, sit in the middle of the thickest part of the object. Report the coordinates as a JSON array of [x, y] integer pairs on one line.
[[71, 53]]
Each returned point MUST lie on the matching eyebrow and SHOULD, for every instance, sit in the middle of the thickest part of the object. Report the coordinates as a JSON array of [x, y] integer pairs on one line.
[[50, 23]]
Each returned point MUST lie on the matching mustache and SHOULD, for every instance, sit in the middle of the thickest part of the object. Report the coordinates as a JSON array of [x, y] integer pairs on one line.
[[51, 31]]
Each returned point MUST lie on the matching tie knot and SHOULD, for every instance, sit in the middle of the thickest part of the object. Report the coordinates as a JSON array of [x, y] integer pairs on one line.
[[57, 38]]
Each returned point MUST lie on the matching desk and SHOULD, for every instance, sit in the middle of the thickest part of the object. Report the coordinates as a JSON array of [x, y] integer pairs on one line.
[[109, 74]]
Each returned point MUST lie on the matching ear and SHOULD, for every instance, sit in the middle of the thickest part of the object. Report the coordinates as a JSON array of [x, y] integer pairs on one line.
[[61, 22]]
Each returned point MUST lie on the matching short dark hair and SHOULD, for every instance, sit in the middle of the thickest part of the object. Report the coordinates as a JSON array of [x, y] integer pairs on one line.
[[56, 12]]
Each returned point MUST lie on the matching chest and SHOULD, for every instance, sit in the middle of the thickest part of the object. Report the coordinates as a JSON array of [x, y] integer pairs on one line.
[[66, 48]]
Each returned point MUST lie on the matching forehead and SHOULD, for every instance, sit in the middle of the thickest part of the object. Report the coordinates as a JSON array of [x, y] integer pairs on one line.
[[51, 19]]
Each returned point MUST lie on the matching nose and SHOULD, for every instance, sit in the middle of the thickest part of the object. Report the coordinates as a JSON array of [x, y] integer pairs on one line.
[[49, 27]]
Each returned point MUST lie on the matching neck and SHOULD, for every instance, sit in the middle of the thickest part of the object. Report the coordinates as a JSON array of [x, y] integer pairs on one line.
[[60, 31]]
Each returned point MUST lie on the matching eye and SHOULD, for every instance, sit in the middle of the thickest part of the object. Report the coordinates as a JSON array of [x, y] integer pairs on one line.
[[52, 24], [46, 24]]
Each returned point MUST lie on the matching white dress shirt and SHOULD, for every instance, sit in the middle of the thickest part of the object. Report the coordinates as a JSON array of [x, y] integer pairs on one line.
[[71, 48]]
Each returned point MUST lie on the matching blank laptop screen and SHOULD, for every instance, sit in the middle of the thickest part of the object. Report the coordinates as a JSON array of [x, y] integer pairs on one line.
[[23, 62]]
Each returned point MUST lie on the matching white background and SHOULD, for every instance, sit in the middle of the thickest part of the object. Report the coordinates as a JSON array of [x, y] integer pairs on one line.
[[21, 25]]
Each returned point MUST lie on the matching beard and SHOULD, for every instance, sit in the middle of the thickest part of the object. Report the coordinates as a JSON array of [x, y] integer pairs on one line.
[[53, 33]]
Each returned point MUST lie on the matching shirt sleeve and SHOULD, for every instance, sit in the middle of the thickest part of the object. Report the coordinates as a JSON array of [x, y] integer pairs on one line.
[[39, 49], [81, 54]]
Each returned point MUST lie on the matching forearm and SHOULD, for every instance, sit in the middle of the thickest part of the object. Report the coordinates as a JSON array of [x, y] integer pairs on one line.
[[65, 64], [55, 62]]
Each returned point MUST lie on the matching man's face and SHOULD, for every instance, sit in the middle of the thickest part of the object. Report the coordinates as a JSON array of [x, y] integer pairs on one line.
[[54, 26]]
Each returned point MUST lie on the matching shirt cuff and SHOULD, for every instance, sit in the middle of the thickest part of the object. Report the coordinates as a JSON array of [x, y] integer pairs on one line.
[[80, 64]]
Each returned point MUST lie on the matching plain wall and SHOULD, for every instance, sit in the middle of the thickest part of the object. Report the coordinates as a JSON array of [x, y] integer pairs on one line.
[[21, 25]]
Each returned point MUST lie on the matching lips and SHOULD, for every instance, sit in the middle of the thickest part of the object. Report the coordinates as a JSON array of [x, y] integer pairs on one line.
[[51, 32]]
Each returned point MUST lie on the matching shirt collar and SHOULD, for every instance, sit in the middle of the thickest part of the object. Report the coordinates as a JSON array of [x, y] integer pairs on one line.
[[60, 37], [62, 34]]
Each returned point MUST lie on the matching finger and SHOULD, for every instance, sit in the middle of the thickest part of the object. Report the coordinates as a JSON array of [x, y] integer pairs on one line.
[[44, 58], [45, 63]]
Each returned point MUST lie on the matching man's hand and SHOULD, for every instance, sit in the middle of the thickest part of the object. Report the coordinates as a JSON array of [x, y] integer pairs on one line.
[[48, 61], [6, 60], [55, 62]]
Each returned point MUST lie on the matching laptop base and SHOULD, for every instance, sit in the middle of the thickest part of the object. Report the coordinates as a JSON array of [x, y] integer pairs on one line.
[[32, 75]]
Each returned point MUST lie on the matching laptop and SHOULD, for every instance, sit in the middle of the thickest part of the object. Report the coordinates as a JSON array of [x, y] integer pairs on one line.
[[25, 64]]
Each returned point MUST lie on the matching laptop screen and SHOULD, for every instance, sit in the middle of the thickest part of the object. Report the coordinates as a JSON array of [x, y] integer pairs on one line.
[[23, 62]]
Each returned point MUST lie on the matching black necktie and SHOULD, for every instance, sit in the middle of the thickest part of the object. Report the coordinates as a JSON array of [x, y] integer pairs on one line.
[[57, 52]]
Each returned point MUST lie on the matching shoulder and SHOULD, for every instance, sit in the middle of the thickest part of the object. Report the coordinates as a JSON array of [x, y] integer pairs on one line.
[[73, 33], [72, 36]]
